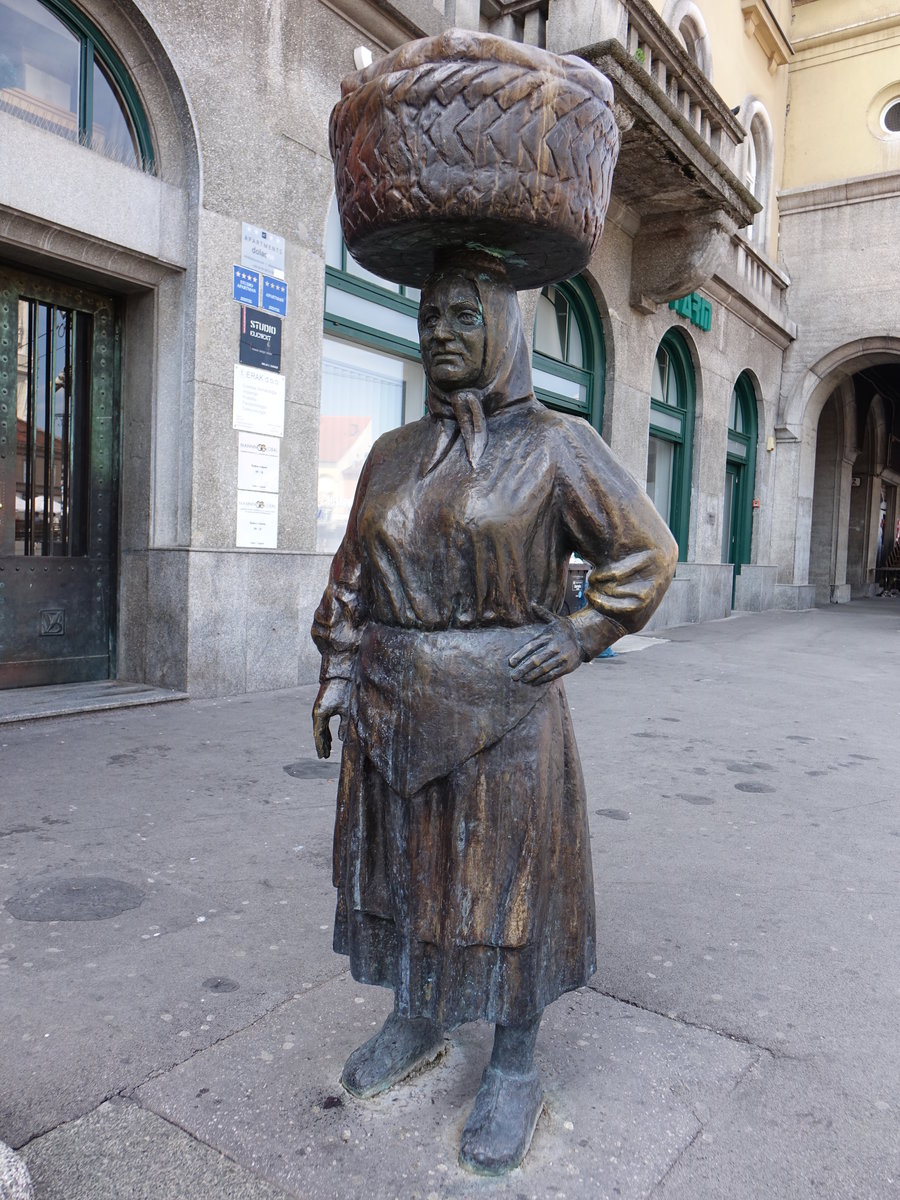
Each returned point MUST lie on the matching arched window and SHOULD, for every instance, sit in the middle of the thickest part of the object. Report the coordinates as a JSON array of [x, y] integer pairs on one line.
[[58, 71], [671, 436], [758, 159], [568, 360], [372, 377], [740, 473], [686, 19]]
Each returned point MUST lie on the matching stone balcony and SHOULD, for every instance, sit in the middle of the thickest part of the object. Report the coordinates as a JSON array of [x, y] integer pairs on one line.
[[680, 147], [748, 280]]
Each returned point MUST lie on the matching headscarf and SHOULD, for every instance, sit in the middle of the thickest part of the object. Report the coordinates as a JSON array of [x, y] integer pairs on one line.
[[506, 369]]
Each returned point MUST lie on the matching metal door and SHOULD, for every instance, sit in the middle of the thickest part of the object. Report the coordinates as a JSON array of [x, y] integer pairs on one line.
[[59, 433]]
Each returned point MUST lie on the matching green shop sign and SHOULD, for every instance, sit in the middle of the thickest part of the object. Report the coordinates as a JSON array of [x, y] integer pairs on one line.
[[697, 310]]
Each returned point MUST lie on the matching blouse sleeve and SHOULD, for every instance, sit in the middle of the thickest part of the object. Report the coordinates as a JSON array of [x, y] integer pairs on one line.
[[610, 520], [343, 610]]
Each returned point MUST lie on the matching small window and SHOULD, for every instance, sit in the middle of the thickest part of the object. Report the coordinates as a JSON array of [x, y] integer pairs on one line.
[[757, 165], [686, 20], [693, 39], [58, 71], [890, 117], [567, 363]]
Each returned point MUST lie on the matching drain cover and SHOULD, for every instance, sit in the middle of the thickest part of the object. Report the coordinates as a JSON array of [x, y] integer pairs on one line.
[[219, 983], [83, 898], [313, 768]]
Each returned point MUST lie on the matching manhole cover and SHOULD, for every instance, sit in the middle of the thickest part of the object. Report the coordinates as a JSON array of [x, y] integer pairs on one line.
[[313, 768], [219, 983], [84, 898]]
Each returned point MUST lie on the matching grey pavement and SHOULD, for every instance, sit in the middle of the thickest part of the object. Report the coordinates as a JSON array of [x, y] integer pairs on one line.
[[173, 1020]]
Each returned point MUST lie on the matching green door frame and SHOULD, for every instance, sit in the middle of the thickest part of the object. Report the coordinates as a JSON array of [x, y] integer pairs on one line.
[[740, 460], [675, 423]]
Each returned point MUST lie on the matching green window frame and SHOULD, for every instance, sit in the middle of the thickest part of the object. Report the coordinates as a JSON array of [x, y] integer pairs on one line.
[[672, 422], [562, 382], [95, 50], [741, 453], [392, 308]]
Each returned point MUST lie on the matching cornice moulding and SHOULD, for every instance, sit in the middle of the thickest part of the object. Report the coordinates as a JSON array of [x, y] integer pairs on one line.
[[760, 23]]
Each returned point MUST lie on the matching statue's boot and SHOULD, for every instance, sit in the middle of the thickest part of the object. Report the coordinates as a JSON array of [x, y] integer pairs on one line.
[[499, 1129], [399, 1047]]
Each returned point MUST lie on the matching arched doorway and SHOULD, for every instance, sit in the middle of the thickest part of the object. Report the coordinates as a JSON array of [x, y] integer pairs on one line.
[[842, 466], [97, 300]]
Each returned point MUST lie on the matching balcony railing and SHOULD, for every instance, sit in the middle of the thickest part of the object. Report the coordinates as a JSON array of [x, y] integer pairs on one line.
[[651, 44]]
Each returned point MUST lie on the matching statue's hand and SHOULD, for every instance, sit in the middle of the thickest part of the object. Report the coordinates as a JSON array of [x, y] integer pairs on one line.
[[333, 700], [554, 652]]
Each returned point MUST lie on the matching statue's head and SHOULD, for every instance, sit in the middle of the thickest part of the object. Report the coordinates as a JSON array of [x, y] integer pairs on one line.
[[470, 330], [452, 331]]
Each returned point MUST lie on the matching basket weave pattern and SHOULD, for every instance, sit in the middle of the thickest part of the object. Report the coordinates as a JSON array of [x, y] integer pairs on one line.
[[525, 146]]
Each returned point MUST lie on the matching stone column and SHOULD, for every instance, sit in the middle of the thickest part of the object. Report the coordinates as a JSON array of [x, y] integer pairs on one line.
[[840, 588], [795, 462], [464, 14], [572, 24]]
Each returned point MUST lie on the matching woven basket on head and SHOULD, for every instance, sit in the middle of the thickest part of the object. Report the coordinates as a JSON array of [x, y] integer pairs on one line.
[[468, 140]]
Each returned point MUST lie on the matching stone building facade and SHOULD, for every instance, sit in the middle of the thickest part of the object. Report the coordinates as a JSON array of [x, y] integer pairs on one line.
[[733, 338]]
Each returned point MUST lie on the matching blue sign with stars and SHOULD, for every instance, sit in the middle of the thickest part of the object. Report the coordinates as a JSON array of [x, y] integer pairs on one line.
[[245, 288], [274, 295]]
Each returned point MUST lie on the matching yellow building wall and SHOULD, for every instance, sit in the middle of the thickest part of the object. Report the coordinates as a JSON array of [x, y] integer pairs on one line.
[[740, 68], [845, 70]]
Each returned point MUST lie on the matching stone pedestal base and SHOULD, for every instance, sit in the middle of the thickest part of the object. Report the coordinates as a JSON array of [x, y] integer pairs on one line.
[[754, 589], [795, 596], [699, 592]]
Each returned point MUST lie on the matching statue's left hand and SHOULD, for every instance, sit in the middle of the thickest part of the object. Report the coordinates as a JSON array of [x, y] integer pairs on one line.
[[333, 700], [554, 652]]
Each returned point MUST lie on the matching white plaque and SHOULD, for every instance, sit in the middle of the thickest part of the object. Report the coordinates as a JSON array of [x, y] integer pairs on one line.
[[258, 463], [257, 520], [262, 250], [258, 401]]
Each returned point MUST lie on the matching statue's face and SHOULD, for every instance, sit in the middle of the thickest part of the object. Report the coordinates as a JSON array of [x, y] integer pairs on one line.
[[451, 334]]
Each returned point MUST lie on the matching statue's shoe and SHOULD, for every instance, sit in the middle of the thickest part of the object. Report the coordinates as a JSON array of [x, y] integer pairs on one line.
[[500, 1126], [399, 1047]]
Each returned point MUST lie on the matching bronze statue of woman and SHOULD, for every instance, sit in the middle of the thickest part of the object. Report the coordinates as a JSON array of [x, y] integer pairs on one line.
[[462, 855]]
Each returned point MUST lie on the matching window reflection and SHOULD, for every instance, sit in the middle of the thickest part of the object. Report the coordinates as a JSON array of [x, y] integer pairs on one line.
[[111, 131], [660, 464], [39, 67], [50, 442], [54, 77], [364, 394], [556, 331], [664, 384]]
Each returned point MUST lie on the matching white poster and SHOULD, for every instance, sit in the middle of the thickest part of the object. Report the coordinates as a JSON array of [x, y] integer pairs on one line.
[[258, 401], [257, 520], [262, 250], [258, 460]]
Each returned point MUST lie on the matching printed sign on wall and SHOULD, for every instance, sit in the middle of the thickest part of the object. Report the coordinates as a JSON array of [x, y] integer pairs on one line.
[[274, 295], [262, 249], [258, 401], [245, 285], [258, 462], [257, 520], [260, 344]]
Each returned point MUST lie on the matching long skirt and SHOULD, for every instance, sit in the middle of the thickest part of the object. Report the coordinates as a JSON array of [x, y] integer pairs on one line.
[[473, 899]]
